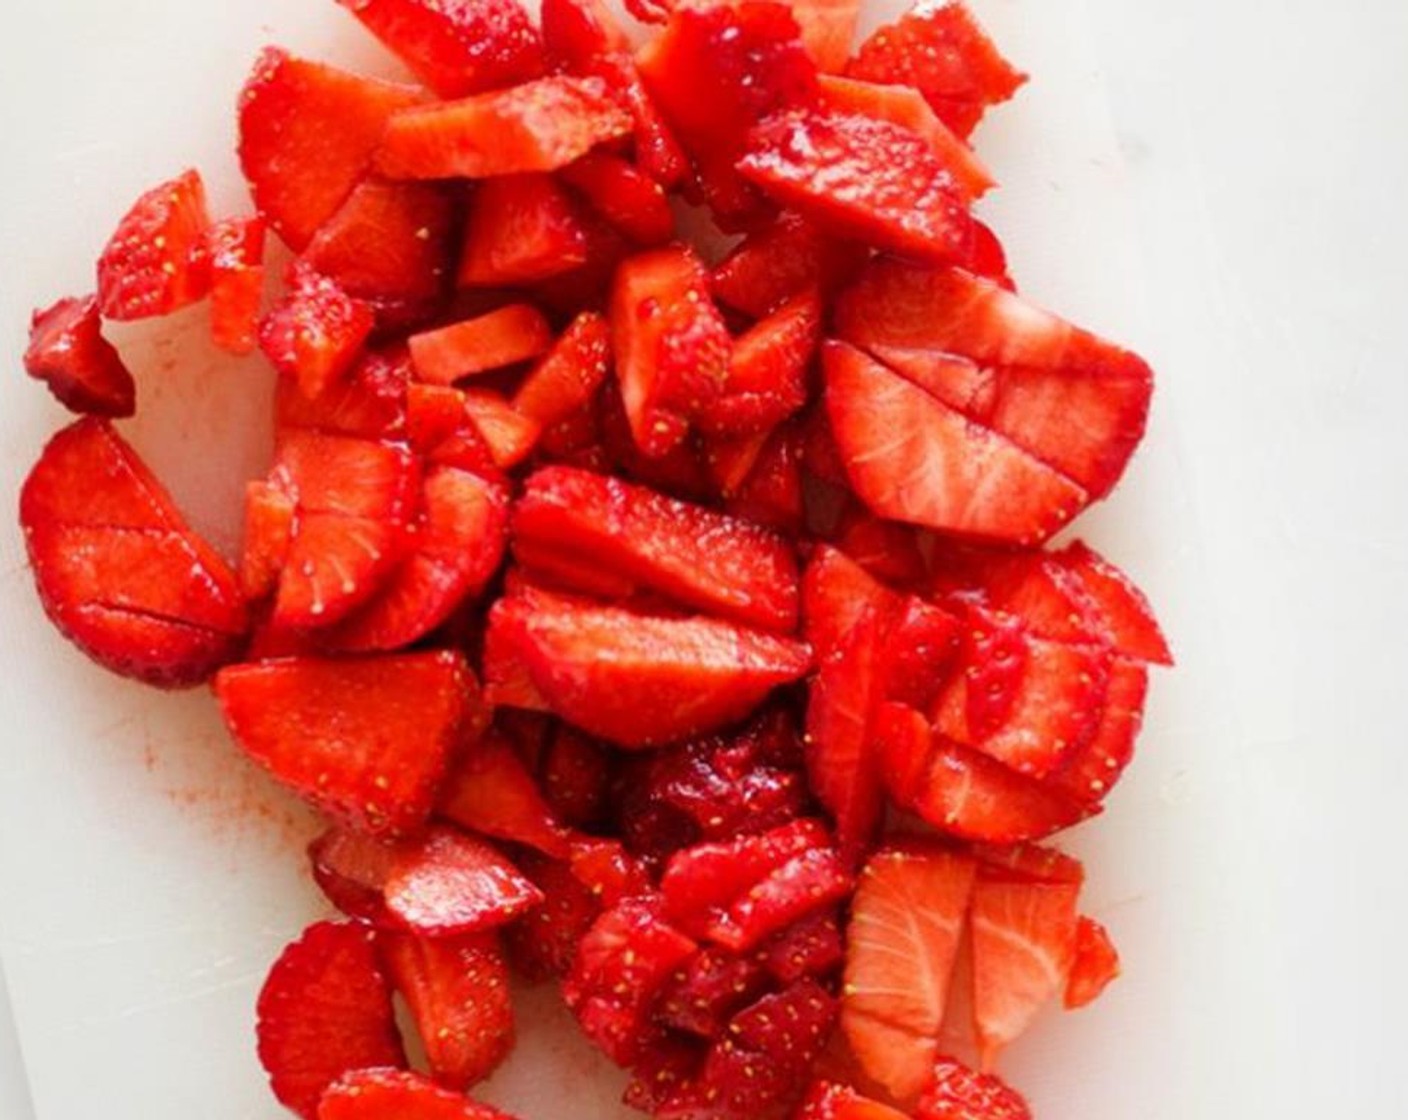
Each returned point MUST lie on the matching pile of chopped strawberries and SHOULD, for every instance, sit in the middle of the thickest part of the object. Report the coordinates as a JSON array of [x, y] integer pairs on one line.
[[662, 613]]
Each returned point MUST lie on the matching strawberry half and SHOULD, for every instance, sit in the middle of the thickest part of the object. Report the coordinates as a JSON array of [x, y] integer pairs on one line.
[[155, 263], [491, 791], [325, 1010], [367, 740], [385, 1094], [68, 352], [1095, 966], [450, 883], [235, 249], [960, 1093], [522, 229], [500, 338]]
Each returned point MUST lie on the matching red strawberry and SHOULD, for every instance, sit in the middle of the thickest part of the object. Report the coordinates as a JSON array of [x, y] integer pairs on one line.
[[1033, 587], [987, 257], [960, 1093], [920, 653], [369, 402], [669, 1063], [809, 947], [576, 776], [307, 133], [630, 200], [912, 458], [637, 537], [836, 591], [450, 883], [1089, 772], [860, 178], [457, 992], [456, 47], [1096, 964], [608, 871], [68, 352], [670, 343], [772, 494], [1122, 614], [155, 262], [325, 1010], [383, 1094], [117, 568], [809, 882], [492, 792], [887, 549], [575, 32], [501, 338], [828, 1101], [314, 334], [941, 51], [543, 942], [1029, 862], [539, 126], [269, 513], [565, 382], [703, 996], [509, 435], [351, 869], [907, 918], [767, 372], [235, 250], [507, 681], [779, 261], [828, 26], [366, 740], [521, 229], [641, 680]]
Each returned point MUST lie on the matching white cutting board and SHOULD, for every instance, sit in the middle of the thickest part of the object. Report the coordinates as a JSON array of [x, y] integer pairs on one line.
[[148, 875]]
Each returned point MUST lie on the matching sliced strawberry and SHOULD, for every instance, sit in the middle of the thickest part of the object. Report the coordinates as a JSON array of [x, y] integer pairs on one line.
[[268, 531], [609, 872], [118, 569], [345, 476], [521, 229], [314, 334], [772, 494], [708, 991], [575, 32], [914, 459], [699, 558], [656, 148], [367, 740], [457, 47], [381, 1094], [630, 200], [782, 260], [510, 436], [1091, 770], [565, 382], [434, 414], [669, 1063], [767, 372], [450, 883], [501, 338], [492, 792], [1095, 966], [941, 51], [507, 681], [576, 777], [1123, 615], [809, 947], [810, 882], [987, 257], [307, 133], [920, 653], [829, 1101], [641, 680], [543, 942], [836, 591], [962, 791], [68, 352], [1027, 585], [1030, 862], [887, 549], [325, 1010], [235, 249], [827, 26], [370, 401], [960, 1093], [539, 126], [457, 992], [351, 869], [476, 431], [154, 263]]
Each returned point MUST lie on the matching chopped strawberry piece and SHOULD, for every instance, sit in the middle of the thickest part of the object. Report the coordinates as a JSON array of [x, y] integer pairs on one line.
[[576, 778], [987, 257], [565, 382], [768, 371], [539, 126], [609, 871], [1096, 964], [671, 346], [345, 475], [1091, 770], [382, 1094], [434, 414], [457, 992], [809, 882], [351, 869], [442, 427], [521, 229], [920, 653], [1122, 614], [960, 1093], [1030, 862], [669, 1063], [633, 202], [314, 334], [155, 263], [575, 32], [501, 338], [828, 1101], [366, 740], [456, 47], [772, 494], [708, 991], [680, 471], [492, 792], [827, 26], [907, 918], [809, 947], [509, 435], [450, 883], [507, 681], [68, 352], [543, 942], [307, 134], [325, 1010], [269, 513], [940, 50], [370, 401], [887, 549], [782, 260], [836, 592], [1033, 587], [118, 569], [235, 249]]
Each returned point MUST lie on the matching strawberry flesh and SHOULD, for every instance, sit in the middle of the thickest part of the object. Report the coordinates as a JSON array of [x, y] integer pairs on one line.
[[68, 352], [235, 250], [491, 791], [315, 333], [960, 1093], [521, 229], [450, 883], [501, 338], [155, 262], [1095, 966], [381, 1094]]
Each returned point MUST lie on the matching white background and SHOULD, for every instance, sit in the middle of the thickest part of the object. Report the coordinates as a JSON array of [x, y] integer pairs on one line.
[[1221, 182]]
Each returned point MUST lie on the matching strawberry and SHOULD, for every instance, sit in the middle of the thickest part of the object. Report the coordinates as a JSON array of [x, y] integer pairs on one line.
[[457, 993], [509, 435], [767, 372], [118, 569], [836, 592], [960, 1093], [366, 740], [307, 133], [539, 126], [671, 346], [456, 47], [269, 513], [630, 200], [887, 549], [565, 382], [941, 51], [507, 681], [829, 1101], [641, 680], [1095, 965], [827, 28], [501, 338], [1030, 862], [781, 260], [808, 947], [492, 792], [576, 777], [543, 942], [609, 872], [450, 883], [1033, 587], [987, 257], [668, 1064], [652, 543], [912, 458], [235, 249], [384, 1094], [155, 262], [68, 352], [370, 401], [708, 990], [325, 1010], [314, 334], [1091, 770], [351, 869], [576, 32], [521, 229], [1122, 614]]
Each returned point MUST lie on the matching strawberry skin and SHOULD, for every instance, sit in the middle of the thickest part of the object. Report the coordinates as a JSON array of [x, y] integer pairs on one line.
[[543, 942], [960, 1093], [451, 883], [388, 1094], [1122, 614], [154, 263], [367, 740], [82, 369], [351, 869]]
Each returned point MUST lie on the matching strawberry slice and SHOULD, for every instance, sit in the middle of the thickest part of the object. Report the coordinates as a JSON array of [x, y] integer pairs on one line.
[[629, 533], [960, 1093], [861, 178], [1034, 587], [154, 262], [1090, 771], [235, 250], [1123, 616], [1095, 966], [68, 352], [351, 869], [522, 228], [307, 133], [491, 791], [809, 947], [118, 569], [827, 27], [772, 494], [907, 918], [576, 776], [829, 1101], [836, 592], [629, 199], [315, 333], [269, 513], [538, 126], [370, 401], [381, 1094], [565, 382], [708, 991], [456, 47], [641, 680], [767, 373], [450, 883], [324, 1010], [781, 260], [501, 338], [576, 32], [507, 680], [366, 740], [943, 52], [543, 943], [987, 257], [912, 458], [457, 993], [509, 435], [887, 549]]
